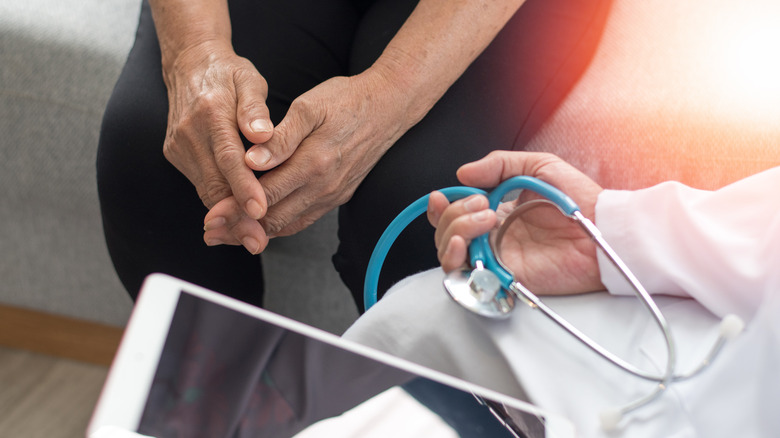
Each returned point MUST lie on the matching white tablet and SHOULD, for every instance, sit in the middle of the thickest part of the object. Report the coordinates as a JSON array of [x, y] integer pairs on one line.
[[194, 363]]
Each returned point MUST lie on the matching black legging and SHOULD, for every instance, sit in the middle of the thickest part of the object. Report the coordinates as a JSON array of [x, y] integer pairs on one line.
[[153, 218]]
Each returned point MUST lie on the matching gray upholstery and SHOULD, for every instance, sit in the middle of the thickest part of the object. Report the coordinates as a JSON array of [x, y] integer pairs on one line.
[[649, 108], [58, 63]]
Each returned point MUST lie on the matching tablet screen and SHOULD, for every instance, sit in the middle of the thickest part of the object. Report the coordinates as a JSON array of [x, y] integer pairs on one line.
[[223, 373]]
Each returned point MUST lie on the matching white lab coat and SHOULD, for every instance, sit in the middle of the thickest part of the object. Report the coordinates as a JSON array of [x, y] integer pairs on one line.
[[702, 254]]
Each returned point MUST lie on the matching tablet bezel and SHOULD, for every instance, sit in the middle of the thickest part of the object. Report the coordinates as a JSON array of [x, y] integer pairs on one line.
[[129, 381]]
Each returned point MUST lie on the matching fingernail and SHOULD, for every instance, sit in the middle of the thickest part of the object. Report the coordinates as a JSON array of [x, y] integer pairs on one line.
[[261, 125], [473, 204], [251, 245], [259, 156], [214, 223], [254, 209], [214, 242]]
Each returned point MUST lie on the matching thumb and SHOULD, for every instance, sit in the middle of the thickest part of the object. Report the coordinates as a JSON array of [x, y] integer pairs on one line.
[[251, 111], [500, 165], [297, 125]]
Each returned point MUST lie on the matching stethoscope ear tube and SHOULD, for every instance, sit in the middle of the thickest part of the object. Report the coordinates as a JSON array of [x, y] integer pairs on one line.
[[410, 213]]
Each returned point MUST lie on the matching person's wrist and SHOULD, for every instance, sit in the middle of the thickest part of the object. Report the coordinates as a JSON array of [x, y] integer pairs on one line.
[[198, 53], [407, 83]]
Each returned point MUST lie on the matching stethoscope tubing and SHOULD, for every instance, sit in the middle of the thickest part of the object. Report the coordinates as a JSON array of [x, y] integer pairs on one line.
[[481, 252], [391, 233], [482, 255]]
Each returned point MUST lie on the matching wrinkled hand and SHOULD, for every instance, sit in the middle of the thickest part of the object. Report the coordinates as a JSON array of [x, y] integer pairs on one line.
[[546, 251], [330, 139], [213, 93]]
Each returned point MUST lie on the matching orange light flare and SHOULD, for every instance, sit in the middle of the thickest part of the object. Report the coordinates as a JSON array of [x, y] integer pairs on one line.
[[742, 64]]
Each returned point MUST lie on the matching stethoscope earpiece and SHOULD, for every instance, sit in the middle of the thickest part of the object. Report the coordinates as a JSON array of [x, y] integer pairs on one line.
[[731, 326], [610, 419]]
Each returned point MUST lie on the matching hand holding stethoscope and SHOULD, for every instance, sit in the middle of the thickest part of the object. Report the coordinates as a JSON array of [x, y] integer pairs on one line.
[[535, 251], [550, 250], [551, 254]]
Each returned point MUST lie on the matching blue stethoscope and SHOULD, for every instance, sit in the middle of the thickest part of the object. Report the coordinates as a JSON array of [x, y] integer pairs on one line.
[[489, 288]]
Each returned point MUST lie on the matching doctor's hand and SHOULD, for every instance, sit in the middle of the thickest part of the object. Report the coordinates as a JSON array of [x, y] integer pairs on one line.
[[545, 250], [214, 95]]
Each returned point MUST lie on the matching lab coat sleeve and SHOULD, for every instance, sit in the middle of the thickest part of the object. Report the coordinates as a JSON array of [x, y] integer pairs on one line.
[[720, 247]]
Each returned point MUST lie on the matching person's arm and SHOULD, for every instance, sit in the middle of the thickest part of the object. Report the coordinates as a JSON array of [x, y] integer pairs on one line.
[[211, 90], [183, 25], [440, 39], [719, 247], [334, 134]]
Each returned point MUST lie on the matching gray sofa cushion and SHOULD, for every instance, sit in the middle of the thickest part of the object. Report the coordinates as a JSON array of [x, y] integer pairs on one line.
[[58, 63]]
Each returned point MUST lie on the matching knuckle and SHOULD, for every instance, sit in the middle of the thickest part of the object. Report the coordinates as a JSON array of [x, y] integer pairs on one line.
[[272, 225], [301, 103], [273, 193], [214, 189], [173, 146], [304, 107], [204, 198], [207, 100], [208, 109], [227, 157], [169, 151], [250, 74], [324, 164], [253, 107]]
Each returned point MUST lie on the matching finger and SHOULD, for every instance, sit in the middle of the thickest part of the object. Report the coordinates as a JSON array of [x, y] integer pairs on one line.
[[455, 254], [437, 202], [286, 216], [245, 228], [465, 206], [224, 236], [226, 224], [210, 184], [465, 227], [280, 183], [220, 236], [215, 232], [188, 152], [252, 114], [287, 137], [229, 155], [498, 166], [302, 222]]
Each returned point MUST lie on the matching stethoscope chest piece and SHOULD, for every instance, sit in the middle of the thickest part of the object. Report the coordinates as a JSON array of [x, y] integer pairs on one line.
[[480, 291]]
